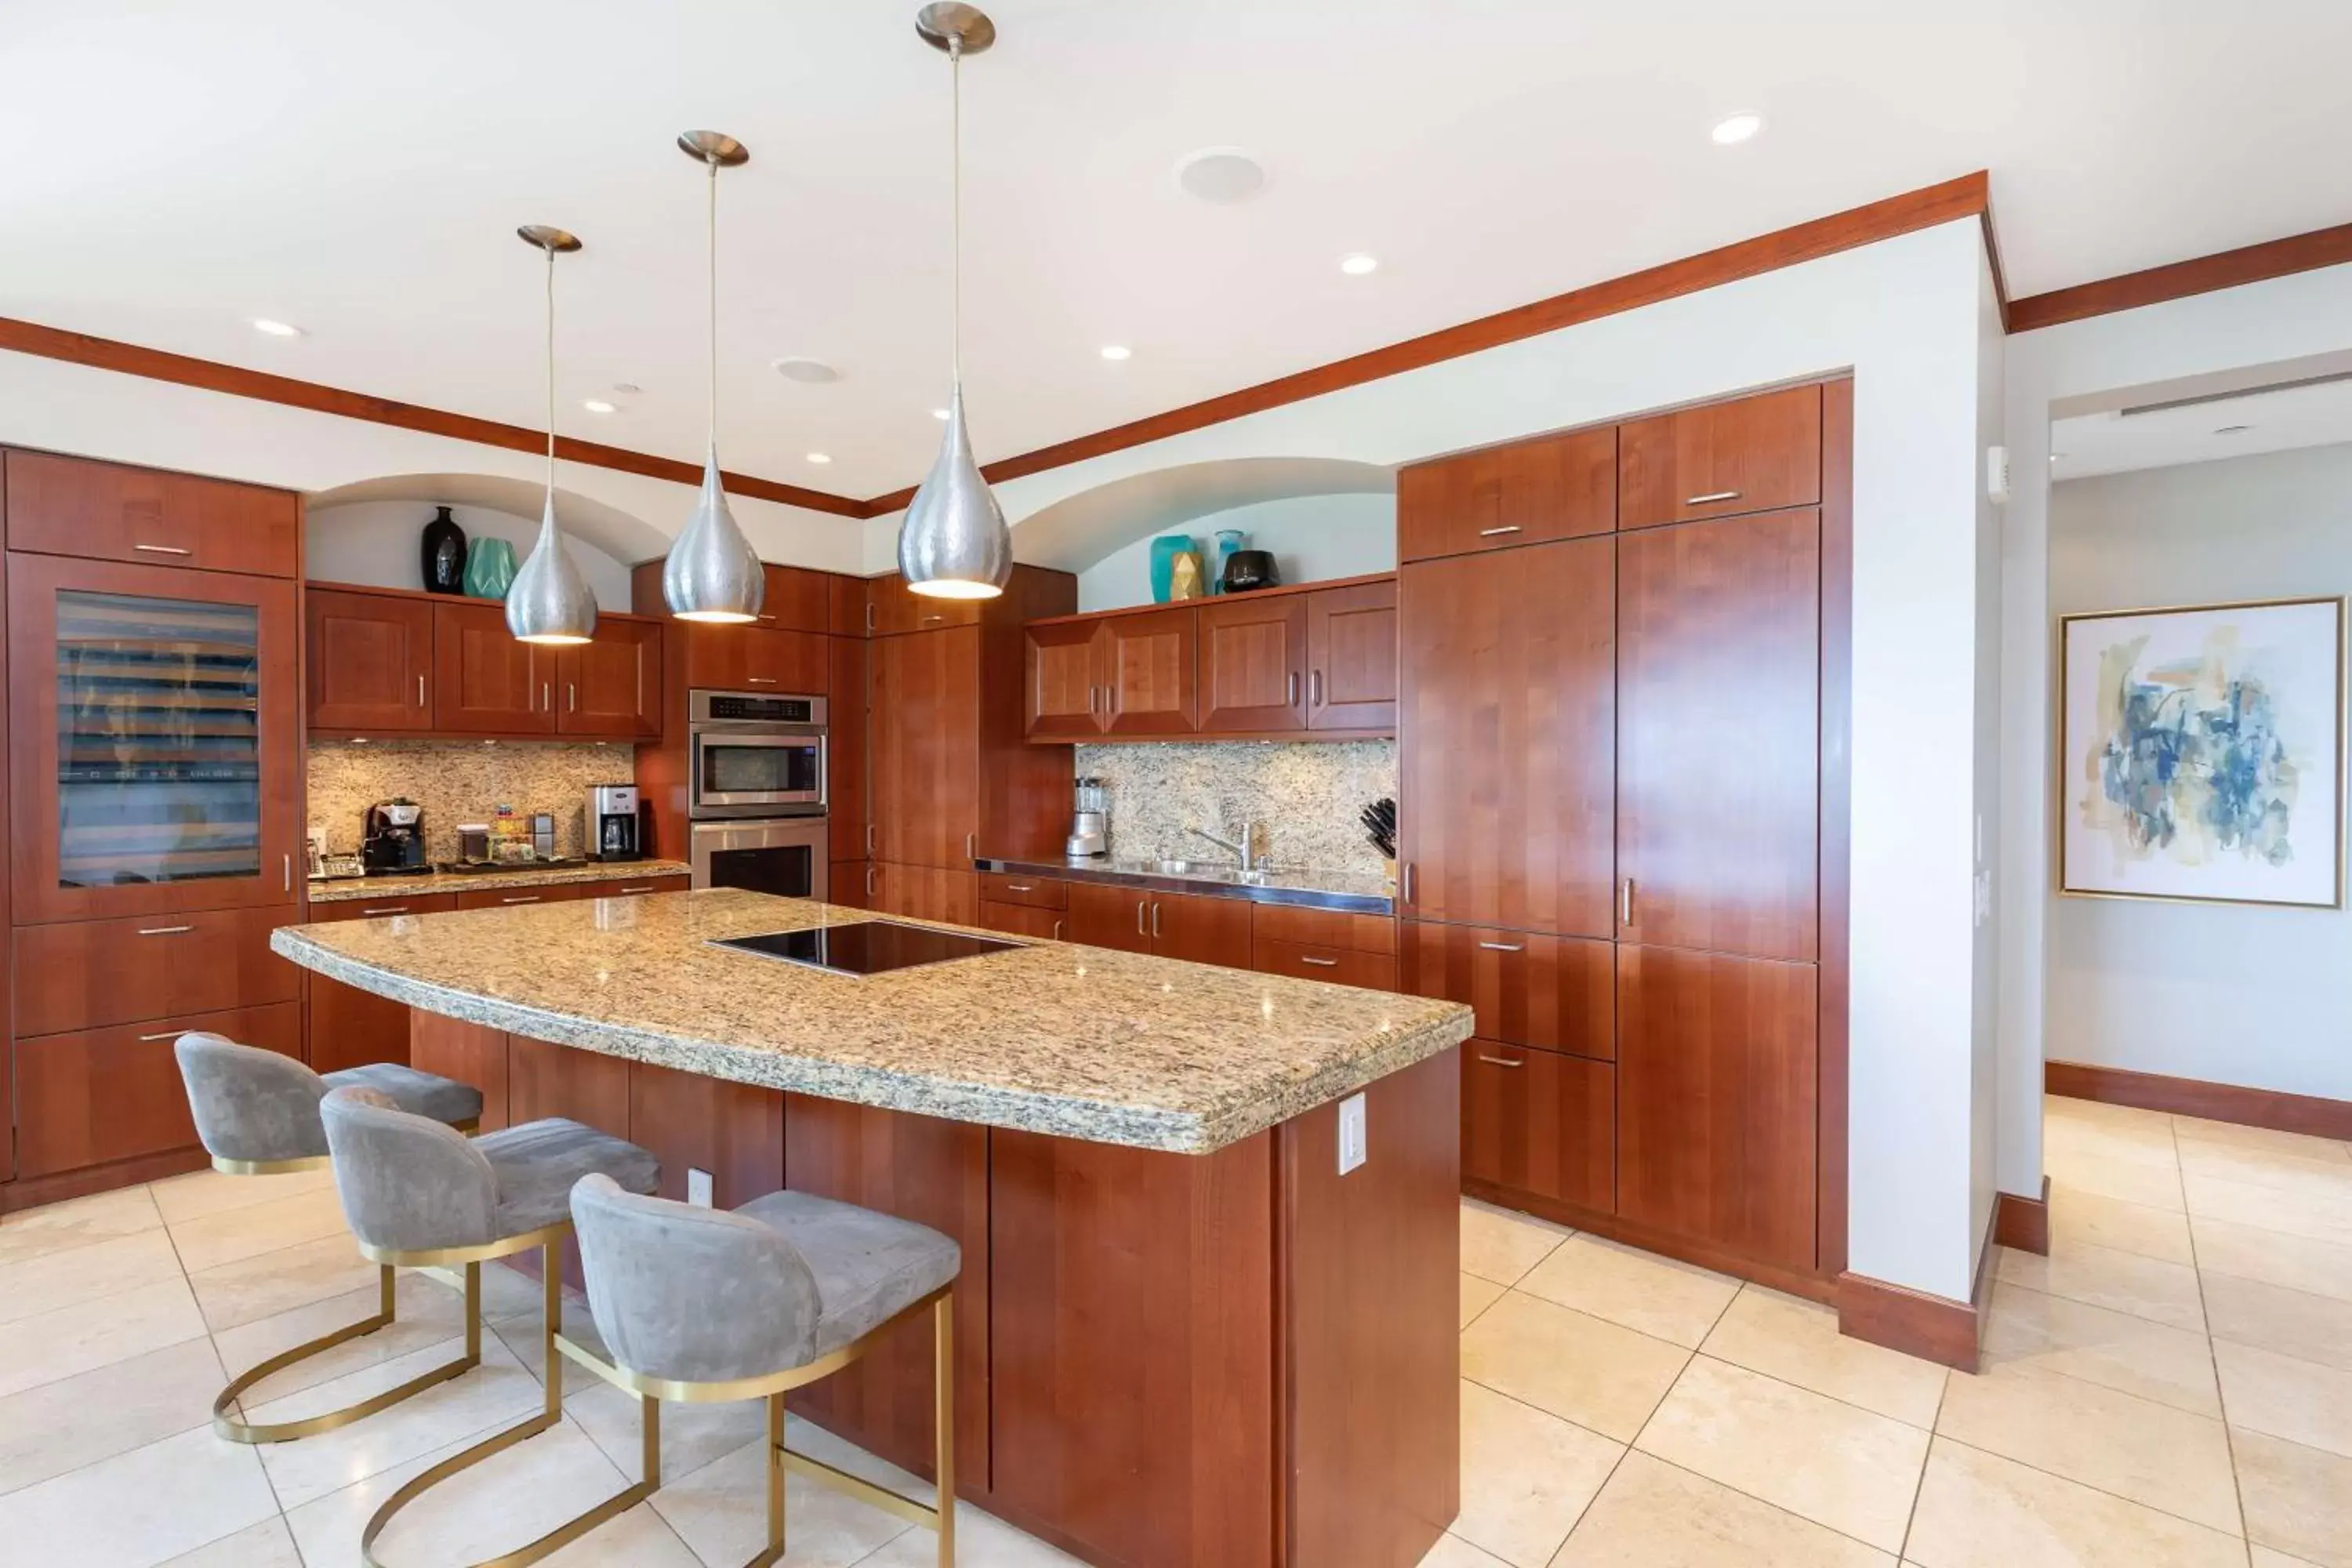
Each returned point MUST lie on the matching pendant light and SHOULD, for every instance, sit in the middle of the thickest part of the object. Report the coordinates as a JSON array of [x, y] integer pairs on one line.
[[713, 573], [548, 601], [953, 543]]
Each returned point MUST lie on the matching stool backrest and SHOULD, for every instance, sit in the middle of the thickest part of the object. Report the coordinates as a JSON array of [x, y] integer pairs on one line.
[[248, 1103], [408, 1183], [692, 1294]]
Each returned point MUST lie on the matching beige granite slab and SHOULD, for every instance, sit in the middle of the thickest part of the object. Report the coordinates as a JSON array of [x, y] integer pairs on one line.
[[1078, 1042], [347, 889]]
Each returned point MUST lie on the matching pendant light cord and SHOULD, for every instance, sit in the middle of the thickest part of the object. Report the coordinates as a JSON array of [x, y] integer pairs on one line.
[[713, 231], [955, 182], [551, 373]]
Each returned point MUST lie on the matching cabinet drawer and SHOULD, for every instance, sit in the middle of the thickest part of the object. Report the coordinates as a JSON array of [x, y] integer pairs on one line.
[[634, 887], [1553, 992], [1323, 927], [1022, 919], [757, 658], [517, 898], [1339, 965], [85, 975], [392, 901], [1539, 1123], [1556, 488], [1038, 892], [100, 1095], [1754, 454], [68, 506]]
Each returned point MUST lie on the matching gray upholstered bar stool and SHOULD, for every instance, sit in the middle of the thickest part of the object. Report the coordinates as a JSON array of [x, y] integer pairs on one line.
[[419, 1195], [700, 1305], [257, 1114]]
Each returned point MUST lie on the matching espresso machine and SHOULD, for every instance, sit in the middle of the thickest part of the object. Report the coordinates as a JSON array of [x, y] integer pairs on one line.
[[613, 824], [1089, 822], [393, 838]]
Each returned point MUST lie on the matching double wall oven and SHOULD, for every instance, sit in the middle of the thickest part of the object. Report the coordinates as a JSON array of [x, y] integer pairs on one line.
[[757, 771]]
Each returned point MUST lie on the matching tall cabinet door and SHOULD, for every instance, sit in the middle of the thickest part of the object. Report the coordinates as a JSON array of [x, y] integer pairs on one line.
[[1151, 664], [1253, 663], [612, 684], [1507, 781], [371, 661], [1718, 735], [154, 750], [925, 779], [485, 680]]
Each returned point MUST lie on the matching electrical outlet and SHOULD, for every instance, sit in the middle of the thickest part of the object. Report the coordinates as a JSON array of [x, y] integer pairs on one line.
[[697, 1188], [1352, 1149]]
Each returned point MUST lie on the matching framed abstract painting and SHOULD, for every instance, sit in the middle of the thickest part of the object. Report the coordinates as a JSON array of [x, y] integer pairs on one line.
[[2201, 753]]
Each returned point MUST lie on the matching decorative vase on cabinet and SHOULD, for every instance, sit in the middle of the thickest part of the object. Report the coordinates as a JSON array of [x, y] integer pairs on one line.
[[490, 568], [1164, 550], [444, 546], [1229, 539], [1184, 580]]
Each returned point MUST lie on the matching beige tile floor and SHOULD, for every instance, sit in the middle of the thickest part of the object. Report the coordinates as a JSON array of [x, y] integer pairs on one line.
[[2171, 1387]]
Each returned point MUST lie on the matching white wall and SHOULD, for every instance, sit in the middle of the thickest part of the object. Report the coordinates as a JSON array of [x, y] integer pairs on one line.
[[2260, 323], [2233, 995], [1313, 538], [377, 542], [1984, 1090]]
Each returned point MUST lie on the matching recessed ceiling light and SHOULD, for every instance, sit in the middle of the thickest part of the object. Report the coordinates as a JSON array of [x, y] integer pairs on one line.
[[598, 406], [811, 372], [1737, 128], [627, 388], [276, 329], [2232, 430], [1221, 174], [1116, 350], [939, 414], [819, 457], [1357, 265]]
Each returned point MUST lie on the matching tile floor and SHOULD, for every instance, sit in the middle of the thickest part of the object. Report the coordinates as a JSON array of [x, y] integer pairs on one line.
[[2170, 1388]]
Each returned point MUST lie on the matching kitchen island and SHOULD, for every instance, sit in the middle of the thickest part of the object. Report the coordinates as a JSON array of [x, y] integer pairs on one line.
[[1184, 1335]]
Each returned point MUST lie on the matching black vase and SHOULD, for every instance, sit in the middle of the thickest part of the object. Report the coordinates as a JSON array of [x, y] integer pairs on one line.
[[1248, 569], [445, 555]]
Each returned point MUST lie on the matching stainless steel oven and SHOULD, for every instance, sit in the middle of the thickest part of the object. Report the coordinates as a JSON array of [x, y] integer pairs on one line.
[[755, 753], [785, 857]]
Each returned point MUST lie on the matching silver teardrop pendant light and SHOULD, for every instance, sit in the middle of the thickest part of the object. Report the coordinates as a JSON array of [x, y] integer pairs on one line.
[[713, 573], [548, 601], [953, 543]]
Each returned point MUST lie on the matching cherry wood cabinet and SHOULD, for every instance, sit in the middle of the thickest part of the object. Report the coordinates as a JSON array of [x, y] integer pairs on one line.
[[1304, 927], [925, 892], [734, 1131], [848, 882], [1352, 655], [79, 974], [1528, 989], [1151, 673], [72, 506], [1506, 785], [1062, 681], [1103, 914], [484, 681], [349, 1028], [894, 608], [1339, 965], [1022, 920], [470, 1053], [1527, 493], [797, 599], [756, 659], [610, 685], [1253, 663], [1716, 1069], [1719, 768], [1201, 929], [849, 607], [369, 658], [1538, 1122], [1039, 892], [524, 897], [1752, 454], [849, 809], [926, 766]]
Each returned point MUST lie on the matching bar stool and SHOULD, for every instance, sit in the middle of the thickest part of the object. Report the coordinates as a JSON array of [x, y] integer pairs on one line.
[[419, 1195], [256, 1113], [700, 1306]]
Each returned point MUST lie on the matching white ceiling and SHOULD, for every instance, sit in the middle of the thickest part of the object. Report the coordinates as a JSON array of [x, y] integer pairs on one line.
[[168, 171], [2215, 424]]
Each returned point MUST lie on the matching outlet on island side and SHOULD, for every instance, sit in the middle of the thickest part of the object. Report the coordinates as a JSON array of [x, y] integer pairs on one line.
[[1351, 1134], [697, 1188]]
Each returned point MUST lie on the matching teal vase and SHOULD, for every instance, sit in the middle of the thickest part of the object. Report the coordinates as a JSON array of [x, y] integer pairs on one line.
[[490, 568], [1228, 541], [1164, 550]]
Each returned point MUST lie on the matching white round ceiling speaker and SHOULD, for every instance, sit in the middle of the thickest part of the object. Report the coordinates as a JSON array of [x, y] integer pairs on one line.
[[1221, 174], [812, 372]]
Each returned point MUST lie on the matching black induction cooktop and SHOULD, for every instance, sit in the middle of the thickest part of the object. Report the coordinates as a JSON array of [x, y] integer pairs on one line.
[[868, 947]]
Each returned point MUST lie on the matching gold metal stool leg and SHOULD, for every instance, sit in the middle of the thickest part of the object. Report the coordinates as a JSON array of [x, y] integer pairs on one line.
[[238, 1430], [943, 1417]]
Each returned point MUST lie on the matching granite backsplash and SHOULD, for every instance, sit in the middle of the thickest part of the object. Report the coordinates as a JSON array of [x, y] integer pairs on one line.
[[1307, 795], [458, 781]]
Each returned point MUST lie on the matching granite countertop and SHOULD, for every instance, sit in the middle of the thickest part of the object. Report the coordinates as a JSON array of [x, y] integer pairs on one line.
[[343, 889], [1350, 892], [1078, 1042]]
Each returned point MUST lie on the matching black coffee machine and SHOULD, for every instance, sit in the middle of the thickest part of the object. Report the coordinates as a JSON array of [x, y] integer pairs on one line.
[[394, 838]]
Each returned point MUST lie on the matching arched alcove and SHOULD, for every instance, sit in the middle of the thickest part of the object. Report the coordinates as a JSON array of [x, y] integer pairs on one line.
[[368, 532]]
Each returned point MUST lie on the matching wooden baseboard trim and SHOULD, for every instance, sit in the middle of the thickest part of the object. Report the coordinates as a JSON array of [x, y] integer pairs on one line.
[[1822, 1288], [2279, 1111], [32, 1191], [1933, 1328], [2023, 1223]]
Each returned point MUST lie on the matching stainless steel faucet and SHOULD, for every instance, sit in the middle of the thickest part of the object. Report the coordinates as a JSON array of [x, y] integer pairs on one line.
[[1246, 851]]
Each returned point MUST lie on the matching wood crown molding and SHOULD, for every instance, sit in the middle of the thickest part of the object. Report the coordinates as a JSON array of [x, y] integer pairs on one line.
[[2282, 1112], [2179, 280], [155, 364]]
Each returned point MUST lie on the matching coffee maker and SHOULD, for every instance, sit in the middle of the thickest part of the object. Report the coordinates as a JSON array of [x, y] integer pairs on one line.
[[393, 838], [612, 831], [1089, 821]]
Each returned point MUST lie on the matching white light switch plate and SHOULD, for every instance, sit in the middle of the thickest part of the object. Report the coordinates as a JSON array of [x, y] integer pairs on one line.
[[1352, 1149], [697, 1188]]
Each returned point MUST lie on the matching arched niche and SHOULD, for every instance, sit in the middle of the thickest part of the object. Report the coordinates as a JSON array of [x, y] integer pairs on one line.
[[368, 532]]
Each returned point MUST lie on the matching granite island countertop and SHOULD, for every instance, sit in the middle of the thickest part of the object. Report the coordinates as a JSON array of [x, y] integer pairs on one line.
[[417, 885], [1078, 1042]]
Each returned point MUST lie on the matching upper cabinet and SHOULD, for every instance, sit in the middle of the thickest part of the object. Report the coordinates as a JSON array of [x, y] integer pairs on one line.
[[485, 682], [1756, 454], [610, 685], [1307, 661], [797, 599], [754, 659], [1527, 493], [371, 664], [892, 608], [68, 506]]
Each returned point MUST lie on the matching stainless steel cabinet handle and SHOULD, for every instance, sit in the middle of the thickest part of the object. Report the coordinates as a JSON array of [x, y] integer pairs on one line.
[[571, 696], [387, 910], [1504, 946], [870, 839], [165, 930], [1710, 496], [647, 887], [162, 1035], [420, 692], [869, 881], [1499, 1061], [521, 898], [1291, 698], [927, 620], [546, 695], [971, 845], [286, 873], [1318, 962], [1020, 888], [760, 679], [162, 549], [1315, 690], [1408, 881], [1057, 929], [765, 617], [1625, 903], [1155, 917], [869, 616], [1140, 904], [1497, 532]]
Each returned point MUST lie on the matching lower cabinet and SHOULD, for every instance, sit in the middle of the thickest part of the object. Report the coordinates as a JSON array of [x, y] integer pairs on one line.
[[1555, 992], [1022, 920], [1188, 926], [1539, 1123], [847, 884], [350, 1027], [1339, 965], [925, 893]]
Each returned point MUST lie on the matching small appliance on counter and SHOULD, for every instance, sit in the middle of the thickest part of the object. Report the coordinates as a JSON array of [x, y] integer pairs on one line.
[[393, 838], [612, 831], [1089, 822]]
